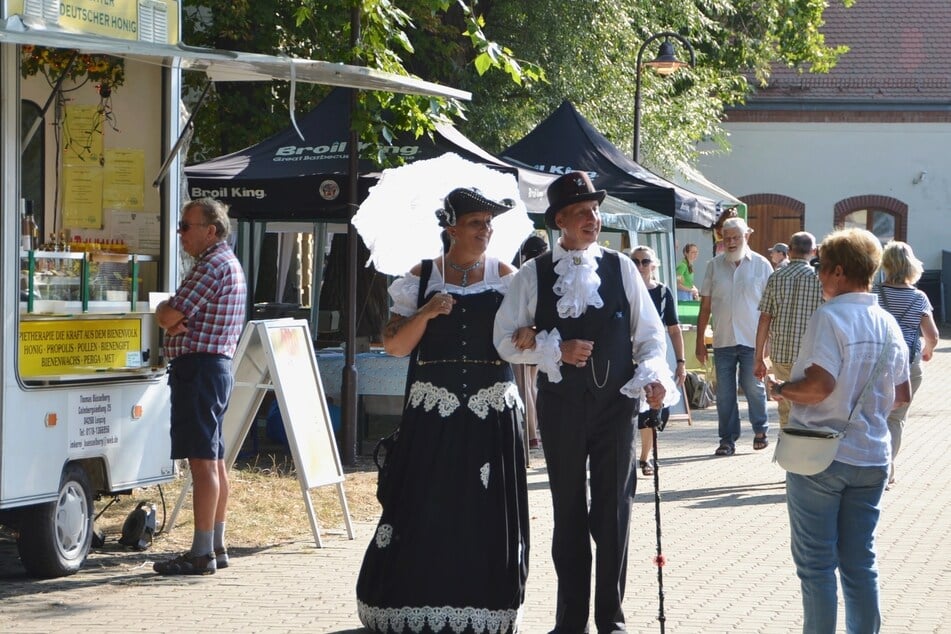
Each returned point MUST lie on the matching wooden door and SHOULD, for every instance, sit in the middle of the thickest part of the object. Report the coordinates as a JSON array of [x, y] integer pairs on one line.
[[773, 219]]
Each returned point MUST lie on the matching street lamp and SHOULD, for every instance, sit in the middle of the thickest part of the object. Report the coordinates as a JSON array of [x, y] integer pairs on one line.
[[664, 64]]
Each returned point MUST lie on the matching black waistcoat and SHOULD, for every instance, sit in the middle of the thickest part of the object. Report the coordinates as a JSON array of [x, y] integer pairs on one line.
[[609, 327]]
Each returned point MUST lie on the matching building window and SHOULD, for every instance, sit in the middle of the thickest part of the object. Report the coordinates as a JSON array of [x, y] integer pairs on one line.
[[878, 221], [885, 217]]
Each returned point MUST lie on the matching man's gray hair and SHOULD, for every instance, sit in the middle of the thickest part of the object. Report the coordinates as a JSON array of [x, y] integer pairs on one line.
[[802, 243], [736, 223], [214, 213]]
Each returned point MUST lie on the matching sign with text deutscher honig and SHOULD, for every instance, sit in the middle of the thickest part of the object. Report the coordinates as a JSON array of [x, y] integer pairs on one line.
[[142, 20]]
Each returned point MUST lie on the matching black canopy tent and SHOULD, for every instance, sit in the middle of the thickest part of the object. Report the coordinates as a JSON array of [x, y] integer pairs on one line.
[[567, 141], [285, 177]]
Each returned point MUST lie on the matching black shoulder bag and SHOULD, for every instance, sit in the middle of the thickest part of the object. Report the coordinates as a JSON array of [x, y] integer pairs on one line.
[[385, 448]]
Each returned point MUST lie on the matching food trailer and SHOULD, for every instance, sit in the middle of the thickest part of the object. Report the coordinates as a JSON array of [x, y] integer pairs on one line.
[[90, 189]]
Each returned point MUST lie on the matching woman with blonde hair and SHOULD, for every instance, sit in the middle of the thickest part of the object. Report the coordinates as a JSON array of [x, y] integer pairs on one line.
[[912, 309], [645, 259]]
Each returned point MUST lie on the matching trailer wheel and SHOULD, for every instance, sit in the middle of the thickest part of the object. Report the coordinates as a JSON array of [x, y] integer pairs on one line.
[[55, 537]]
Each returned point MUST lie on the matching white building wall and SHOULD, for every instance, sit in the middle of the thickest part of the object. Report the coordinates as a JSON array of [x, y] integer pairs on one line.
[[821, 164]]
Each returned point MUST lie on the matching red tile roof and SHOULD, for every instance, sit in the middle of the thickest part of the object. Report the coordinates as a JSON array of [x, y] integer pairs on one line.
[[900, 53]]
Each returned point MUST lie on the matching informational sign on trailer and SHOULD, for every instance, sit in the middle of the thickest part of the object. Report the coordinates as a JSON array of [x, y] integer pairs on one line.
[[93, 420], [147, 20], [68, 346]]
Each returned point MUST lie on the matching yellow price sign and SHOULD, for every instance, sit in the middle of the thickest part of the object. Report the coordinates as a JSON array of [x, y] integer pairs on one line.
[[78, 346]]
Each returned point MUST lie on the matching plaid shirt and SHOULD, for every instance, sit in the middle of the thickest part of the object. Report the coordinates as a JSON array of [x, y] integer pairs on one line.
[[212, 297], [792, 294]]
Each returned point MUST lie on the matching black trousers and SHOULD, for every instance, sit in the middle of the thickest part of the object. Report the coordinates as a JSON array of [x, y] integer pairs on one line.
[[578, 428]]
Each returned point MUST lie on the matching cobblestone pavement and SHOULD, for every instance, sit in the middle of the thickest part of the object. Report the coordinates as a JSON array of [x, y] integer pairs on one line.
[[725, 536]]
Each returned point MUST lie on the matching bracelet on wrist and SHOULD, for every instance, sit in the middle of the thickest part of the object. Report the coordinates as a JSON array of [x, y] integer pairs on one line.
[[681, 361]]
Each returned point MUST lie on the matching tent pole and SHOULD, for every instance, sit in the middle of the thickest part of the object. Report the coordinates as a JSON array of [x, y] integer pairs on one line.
[[317, 273], [348, 452]]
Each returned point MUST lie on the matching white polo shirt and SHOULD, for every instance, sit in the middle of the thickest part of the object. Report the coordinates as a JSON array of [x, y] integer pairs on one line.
[[734, 292], [845, 338]]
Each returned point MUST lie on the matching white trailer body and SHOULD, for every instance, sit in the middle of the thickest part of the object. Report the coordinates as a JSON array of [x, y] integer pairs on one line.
[[83, 397]]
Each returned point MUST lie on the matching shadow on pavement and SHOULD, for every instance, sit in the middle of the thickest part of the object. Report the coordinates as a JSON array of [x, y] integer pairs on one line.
[[112, 564]]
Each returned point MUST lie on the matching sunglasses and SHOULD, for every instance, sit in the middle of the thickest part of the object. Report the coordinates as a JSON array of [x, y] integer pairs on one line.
[[644, 262], [184, 226]]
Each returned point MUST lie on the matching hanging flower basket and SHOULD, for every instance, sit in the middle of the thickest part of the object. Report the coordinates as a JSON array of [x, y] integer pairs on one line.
[[107, 71]]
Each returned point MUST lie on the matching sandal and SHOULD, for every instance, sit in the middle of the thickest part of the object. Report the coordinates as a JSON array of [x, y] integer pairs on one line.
[[760, 442], [647, 467], [725, 450]]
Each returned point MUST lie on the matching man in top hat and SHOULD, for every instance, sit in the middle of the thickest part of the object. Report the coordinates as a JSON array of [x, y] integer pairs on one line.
[[599, 343], [779, 255]]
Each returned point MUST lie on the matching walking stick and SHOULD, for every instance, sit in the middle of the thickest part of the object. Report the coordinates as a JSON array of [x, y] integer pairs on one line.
[[653, 420]]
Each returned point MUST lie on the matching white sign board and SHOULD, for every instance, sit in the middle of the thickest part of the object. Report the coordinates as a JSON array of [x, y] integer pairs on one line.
[[278, 355]]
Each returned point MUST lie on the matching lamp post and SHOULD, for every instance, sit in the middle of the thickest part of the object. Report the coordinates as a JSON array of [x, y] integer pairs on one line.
[[666, 63]]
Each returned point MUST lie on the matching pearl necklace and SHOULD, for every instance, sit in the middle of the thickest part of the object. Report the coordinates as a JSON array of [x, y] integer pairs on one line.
[[465, 270]]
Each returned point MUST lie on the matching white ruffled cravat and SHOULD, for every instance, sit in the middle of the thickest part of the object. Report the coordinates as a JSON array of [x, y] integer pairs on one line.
[[577, 283]]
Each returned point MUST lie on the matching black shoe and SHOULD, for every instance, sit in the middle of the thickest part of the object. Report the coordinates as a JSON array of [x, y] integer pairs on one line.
[[187, 564], [221, 558]]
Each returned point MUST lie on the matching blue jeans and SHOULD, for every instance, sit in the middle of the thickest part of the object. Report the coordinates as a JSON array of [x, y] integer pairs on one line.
[[832, 521], [726, 360]]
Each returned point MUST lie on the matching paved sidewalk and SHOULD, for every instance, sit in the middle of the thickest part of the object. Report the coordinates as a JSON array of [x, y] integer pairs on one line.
[[725, 535]]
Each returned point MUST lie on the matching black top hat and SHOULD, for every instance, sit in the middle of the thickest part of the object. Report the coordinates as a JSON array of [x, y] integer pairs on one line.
[[573, 187], [467, 200]]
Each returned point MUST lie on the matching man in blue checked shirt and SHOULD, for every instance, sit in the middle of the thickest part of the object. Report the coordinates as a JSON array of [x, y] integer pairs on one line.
[[202, 323]]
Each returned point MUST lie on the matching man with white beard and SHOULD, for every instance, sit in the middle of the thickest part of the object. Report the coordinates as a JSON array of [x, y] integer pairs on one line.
[[731, 291]]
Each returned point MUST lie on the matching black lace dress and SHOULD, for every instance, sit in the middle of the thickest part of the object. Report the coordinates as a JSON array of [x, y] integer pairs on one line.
[[450, 553]]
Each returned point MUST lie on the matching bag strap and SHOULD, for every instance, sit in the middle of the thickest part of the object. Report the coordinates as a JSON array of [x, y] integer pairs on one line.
[[875, 373], [425, 272]]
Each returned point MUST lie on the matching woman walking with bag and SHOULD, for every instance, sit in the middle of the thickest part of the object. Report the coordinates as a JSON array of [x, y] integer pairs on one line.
[[912, 309], [853, 367]]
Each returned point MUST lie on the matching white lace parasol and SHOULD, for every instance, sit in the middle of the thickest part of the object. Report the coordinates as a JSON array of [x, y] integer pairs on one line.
[[397, 221]]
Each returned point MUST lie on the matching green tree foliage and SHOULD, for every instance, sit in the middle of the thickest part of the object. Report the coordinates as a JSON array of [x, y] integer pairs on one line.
[[588, 49], [239, 114], [585, 51]]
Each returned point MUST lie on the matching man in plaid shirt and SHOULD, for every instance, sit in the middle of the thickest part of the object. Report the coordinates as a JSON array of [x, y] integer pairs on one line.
[[202, 323], [791, 295]]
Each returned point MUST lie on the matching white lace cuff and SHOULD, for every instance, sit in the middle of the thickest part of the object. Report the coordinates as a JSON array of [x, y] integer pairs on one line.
[[652, 370], [548, 345]]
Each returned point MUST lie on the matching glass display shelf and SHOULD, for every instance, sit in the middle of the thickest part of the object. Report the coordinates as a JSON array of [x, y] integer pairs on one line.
[[55, 281]]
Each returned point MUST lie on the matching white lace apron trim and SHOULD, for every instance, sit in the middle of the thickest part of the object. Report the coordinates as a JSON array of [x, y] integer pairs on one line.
[[482, 620], [384, 533], [430, 396], [498, 397]]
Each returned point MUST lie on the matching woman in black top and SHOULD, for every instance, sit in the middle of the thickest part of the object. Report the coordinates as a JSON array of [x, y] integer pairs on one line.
[[646, 261]]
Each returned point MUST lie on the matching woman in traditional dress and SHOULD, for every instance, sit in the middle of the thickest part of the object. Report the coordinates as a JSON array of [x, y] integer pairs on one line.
[[450, 553]]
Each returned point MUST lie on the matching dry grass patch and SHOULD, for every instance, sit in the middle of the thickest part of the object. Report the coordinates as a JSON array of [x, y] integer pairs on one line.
[[266, 506]]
